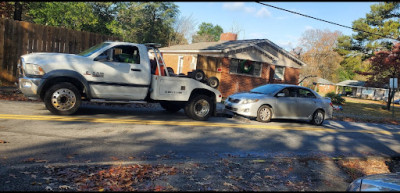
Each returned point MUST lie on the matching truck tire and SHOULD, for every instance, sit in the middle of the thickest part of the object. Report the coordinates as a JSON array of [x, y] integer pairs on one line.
[[170, 106], [213, 82], [199, 108], [199, 75], [62, 99]]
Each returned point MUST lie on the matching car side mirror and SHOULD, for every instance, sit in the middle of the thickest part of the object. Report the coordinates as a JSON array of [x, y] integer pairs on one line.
[[281, 94]]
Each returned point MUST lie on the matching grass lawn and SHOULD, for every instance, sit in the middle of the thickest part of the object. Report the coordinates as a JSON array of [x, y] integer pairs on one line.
[[363, 110]]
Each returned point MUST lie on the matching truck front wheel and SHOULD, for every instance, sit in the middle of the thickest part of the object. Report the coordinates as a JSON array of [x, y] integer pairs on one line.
[[62, 99], [199, 108]]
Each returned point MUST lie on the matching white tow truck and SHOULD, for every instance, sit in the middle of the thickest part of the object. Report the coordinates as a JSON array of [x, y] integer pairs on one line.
[[114, 72]]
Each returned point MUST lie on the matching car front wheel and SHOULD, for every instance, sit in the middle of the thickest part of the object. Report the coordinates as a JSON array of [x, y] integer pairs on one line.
[[62, 99], [264, 114], [318, 117]]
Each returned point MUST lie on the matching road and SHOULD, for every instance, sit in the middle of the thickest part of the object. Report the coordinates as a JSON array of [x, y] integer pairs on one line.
[[97, 133]]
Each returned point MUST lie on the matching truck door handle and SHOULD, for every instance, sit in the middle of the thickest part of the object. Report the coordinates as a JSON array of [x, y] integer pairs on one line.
[[136, 70]]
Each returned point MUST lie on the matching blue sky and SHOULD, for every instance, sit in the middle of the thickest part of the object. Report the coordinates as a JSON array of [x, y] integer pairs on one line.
[[283, 28]]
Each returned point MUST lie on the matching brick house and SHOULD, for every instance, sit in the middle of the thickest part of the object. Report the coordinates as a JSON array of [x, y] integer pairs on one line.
[[239, 65], [325, 86]]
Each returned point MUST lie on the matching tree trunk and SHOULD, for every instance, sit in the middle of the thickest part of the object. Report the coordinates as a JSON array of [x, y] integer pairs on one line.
[[18, 11], [390, 97]]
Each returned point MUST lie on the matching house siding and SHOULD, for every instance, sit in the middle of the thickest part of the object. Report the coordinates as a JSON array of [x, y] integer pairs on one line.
[[324, 89], [171, 60], [231, 83]]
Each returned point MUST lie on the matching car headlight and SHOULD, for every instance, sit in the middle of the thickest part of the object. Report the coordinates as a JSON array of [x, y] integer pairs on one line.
[[246, 101], [33, 69], [354, 186]]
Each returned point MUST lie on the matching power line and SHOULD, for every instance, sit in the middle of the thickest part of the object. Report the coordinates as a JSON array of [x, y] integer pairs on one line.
[[327, 21]]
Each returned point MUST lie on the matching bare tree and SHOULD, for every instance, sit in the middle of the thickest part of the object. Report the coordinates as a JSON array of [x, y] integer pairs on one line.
[[237, 29], [185, 28], [319, 53]]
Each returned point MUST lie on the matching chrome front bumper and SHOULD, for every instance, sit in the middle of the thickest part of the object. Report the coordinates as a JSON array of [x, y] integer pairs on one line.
[[248, 110], [29, 87]]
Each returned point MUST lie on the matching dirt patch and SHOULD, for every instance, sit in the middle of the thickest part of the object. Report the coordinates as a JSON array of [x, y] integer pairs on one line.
[[12, 94]]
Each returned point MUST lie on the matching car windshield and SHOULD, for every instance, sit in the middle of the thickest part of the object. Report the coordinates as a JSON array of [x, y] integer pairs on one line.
[[267, 89], [93, 49]]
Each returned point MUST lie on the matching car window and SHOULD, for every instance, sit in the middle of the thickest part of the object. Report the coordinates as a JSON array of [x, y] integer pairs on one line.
[[122, 54], [93, 49], [304, 93], [267, 89], [289, 92]]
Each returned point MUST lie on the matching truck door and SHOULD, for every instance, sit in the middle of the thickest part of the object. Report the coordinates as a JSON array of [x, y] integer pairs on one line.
[[121, 74]]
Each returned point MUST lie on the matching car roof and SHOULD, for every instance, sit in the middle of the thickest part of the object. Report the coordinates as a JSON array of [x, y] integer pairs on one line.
[[288, 85]]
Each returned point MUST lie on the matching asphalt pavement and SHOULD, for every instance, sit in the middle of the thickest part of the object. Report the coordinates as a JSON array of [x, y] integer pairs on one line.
[[43, 152]]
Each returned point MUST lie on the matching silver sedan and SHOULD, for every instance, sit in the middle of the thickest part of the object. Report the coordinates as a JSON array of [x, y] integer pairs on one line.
[[280, 101]]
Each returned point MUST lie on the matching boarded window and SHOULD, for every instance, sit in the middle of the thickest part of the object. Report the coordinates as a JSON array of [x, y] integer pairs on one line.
[[245, 67]]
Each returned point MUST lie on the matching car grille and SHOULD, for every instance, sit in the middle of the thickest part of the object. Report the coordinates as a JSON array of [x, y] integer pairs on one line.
[[233, 100], [231, 108]]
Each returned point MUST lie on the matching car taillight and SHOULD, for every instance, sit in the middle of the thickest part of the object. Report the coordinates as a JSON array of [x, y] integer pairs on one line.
[[331, 104]]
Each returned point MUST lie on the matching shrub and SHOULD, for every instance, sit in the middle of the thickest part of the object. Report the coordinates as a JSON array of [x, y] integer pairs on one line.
[[336, 99]]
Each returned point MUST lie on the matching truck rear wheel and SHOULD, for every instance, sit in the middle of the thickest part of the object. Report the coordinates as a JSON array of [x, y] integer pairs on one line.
[[62, 99], [199, 108], [171, 106]]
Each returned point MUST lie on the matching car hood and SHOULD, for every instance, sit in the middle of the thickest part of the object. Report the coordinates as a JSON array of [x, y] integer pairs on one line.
[[377, 182], [248, 95], [390, 181], [46, 58]]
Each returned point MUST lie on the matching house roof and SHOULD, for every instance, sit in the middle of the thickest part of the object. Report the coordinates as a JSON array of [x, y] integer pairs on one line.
[[229, 46], [351, 83], [324, 81]]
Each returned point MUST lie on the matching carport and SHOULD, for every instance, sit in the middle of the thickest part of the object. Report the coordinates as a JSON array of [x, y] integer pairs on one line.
[[359, 91], [355, 85]]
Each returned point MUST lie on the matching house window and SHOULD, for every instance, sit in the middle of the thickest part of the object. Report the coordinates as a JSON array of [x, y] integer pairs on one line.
[[245, 67], [180, 64], [194, 63], [279, 72]]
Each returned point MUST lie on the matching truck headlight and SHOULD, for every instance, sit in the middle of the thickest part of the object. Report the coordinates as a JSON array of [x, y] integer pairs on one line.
[[246, 101], [33, 69]]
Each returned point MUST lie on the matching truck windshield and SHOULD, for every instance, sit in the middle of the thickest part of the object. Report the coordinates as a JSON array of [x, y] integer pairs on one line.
[[93, 49]]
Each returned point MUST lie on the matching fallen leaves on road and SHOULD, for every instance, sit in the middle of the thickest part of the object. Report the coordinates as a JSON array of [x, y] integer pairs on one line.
[[12, 95], [117, 178]]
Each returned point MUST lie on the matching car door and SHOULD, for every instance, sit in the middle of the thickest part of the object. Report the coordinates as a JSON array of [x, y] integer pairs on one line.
[[307, 103], [118, 73], [285, 106]]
